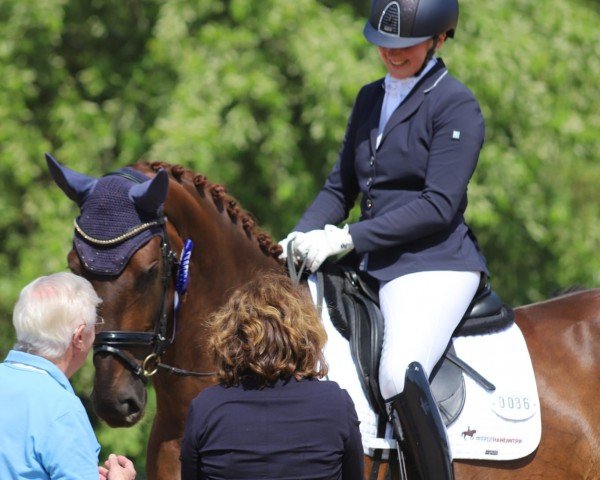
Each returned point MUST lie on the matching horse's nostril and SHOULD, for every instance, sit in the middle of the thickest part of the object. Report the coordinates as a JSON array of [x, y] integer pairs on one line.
[[131, 407], [128, 406]]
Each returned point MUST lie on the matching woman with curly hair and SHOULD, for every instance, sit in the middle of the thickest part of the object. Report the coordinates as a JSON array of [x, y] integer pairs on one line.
[[270, 416]]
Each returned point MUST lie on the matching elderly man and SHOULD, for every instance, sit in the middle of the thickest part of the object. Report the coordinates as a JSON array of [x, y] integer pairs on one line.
[[44, 430]]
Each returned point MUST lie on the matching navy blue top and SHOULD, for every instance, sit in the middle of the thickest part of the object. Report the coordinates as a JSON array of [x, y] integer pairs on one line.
[[296, 430], [413, 186]]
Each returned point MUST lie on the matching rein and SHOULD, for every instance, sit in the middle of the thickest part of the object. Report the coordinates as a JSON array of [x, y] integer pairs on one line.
[[114, 341], [296, 275]]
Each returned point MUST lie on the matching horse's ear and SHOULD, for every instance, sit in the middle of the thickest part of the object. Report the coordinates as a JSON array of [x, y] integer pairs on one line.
[[76, 185], [150, 195]]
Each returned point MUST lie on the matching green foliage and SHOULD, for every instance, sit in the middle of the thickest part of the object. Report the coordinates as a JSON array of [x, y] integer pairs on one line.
[[256, 106], [535, 204], [256, 95]]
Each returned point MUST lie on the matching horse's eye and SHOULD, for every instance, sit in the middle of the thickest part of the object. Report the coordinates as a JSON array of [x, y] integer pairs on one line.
[[146, 277], [150, 272]]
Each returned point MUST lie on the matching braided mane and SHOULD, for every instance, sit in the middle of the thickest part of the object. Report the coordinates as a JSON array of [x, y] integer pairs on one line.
[[221, 199]]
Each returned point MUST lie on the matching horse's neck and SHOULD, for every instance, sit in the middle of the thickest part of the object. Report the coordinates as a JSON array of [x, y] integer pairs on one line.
[[224, 257], [225, 254], [227, 251]]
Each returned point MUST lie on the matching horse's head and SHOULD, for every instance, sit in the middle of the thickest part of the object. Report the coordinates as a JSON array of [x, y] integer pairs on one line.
[[124, 244], [121, 246]]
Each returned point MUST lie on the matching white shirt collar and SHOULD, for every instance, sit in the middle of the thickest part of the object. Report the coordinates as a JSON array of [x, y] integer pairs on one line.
[[401, 87]]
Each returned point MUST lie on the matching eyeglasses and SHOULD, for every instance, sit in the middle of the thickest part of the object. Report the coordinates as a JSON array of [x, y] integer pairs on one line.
[[98, 324]]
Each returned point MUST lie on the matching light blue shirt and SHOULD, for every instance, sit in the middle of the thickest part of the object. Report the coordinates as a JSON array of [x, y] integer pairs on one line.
[[45, 432]]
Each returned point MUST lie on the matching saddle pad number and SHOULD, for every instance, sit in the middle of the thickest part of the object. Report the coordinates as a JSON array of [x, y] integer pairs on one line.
[[514, 406]]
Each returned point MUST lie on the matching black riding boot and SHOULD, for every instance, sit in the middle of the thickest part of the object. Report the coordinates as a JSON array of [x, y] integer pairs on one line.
[[424, 431]]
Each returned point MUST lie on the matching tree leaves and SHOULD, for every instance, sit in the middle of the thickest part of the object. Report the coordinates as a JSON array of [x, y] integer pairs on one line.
[[256, 95]]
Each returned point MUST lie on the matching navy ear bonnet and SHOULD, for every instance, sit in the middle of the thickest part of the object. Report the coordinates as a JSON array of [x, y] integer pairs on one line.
[[107, 214], [119, 213]]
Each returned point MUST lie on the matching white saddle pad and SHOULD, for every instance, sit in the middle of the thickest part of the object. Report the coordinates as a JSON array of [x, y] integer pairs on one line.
[[502, 425]]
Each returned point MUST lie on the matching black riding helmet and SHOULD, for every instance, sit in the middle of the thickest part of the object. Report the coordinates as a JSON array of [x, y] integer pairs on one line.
[[404, 23]]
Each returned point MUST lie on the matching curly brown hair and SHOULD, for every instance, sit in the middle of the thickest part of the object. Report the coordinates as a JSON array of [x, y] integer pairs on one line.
[[268, 330]]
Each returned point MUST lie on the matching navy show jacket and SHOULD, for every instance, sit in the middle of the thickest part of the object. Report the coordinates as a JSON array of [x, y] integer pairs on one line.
[[413, 186], [291, 430]]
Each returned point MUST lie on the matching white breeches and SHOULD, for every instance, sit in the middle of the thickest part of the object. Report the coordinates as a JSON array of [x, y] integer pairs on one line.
[[420, 311]]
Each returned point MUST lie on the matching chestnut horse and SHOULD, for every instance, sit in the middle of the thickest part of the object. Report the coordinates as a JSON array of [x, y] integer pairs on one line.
[[155, 328]]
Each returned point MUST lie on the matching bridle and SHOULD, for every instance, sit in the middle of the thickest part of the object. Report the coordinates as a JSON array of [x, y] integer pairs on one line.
[[114, 342]]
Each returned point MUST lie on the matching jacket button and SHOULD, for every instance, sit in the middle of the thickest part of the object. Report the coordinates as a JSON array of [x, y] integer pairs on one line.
[[369, 203], [372, 160], [369, 181]]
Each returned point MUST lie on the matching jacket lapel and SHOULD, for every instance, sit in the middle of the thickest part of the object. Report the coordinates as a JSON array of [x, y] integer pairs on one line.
[[415, 98], [373, 121]]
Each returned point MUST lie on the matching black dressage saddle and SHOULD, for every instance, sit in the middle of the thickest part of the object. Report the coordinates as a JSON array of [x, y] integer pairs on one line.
[[352, 301]]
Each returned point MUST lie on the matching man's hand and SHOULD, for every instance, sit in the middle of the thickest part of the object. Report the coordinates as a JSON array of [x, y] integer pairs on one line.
[[117, 467], [315, 246]]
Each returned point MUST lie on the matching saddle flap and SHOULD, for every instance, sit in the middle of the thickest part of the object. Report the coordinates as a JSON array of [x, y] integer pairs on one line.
[[354, 311]]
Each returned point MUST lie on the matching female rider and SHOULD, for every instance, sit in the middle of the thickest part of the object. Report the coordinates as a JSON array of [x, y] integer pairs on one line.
[[411, 145]]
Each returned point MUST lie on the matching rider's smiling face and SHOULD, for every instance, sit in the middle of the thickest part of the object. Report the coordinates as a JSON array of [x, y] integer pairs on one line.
[[406, 62]]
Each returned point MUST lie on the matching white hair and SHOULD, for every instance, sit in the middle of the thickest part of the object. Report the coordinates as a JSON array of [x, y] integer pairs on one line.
[[49, 310]]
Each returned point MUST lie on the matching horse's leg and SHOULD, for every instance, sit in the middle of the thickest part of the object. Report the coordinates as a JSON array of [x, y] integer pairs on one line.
[[164, 444], [162, 462], [382, 472], [152, 453]]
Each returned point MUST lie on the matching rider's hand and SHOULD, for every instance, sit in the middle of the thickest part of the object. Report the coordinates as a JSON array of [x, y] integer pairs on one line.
[[286, 240], [317, 245]]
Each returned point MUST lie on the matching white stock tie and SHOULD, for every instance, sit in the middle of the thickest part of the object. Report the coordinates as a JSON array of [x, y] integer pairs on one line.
[[396, 90]]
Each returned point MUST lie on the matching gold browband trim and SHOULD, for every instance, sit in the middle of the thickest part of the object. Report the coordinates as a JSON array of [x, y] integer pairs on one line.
[[121, 238]]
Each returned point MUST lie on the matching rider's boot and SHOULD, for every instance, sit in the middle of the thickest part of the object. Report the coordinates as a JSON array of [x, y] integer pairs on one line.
[[415, 413]]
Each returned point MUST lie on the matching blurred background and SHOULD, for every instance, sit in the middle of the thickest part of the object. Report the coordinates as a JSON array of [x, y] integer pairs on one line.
[[256, 94]]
